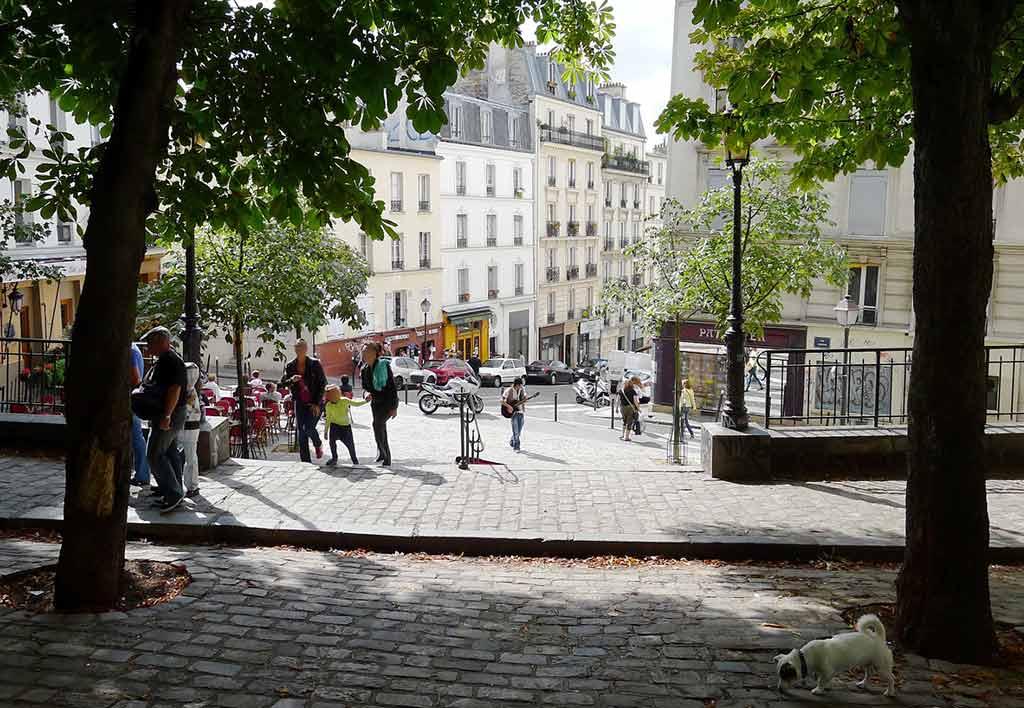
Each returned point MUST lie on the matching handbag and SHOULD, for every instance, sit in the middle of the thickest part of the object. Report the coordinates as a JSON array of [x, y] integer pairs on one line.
[[148, 399]]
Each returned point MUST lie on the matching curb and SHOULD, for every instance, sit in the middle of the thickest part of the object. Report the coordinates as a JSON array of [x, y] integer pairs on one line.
[[483, 543]]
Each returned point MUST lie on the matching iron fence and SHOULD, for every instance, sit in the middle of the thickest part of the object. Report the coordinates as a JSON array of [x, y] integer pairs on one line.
[[33, 375], [868, 387]]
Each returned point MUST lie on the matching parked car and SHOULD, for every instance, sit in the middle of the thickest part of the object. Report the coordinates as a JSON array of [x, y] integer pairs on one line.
[[549, 371], [445, 369], [589, 369], [499, 372], [408, 372]]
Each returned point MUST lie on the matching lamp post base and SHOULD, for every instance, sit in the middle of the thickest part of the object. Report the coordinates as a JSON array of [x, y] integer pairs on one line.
[[735, 419]]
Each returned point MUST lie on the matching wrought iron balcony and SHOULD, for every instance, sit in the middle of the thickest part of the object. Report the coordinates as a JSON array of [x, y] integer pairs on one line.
[[492, 241], [551, 318], [460, 190], [463, 297], [490, 190], [517, 241], [424, 206], [572, 184], [492, 294], [425, 263], [573, 229], [636, 203], [553, 274], [572, 273], [624, 242], [552, 182], [570, 315], [396, 205], [564, 136], [625, 163], [553, 229], [591, 270], [397, 265], [609, 244], [622, 203], [608, 203], [590, 184], [638, 279], [591, 228], [519, 290]]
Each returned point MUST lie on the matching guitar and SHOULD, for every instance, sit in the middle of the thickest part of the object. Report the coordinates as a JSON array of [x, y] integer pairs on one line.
[[508, 409]]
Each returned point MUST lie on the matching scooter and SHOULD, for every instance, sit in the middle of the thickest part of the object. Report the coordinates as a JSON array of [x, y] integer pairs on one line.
[[592, 392], [433, 396]]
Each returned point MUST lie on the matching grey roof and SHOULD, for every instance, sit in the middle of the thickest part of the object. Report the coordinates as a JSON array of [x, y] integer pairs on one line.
[[537, 70], [621, 115]]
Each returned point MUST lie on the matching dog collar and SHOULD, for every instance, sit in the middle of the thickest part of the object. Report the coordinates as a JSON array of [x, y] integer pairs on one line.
[[803, 664]]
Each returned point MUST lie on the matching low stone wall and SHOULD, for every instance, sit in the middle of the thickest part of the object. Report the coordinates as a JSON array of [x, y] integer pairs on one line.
[[814, 454]]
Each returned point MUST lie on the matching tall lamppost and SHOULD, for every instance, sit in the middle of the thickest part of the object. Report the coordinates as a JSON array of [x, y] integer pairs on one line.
[[192, 337], [734, 413], [425, 309], [847, 315]]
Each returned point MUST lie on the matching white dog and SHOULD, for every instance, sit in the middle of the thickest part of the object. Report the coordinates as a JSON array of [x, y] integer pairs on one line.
[[824, 658]]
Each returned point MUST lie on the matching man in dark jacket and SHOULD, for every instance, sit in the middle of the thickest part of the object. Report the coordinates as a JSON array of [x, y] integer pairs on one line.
[[475, 363], [305, 376]]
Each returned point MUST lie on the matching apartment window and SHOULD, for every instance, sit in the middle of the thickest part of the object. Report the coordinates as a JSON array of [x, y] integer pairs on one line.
[[551, 119], [551, 212], [492, 230], [590, 175], [398, 253], [570, 122], [19, 117], [572, 301], [867, 202], [424, 188], [721, 100], [590, 255], [552, 72], [396, 191], [608, 187], [486, 126], [460, 178], [622, 230], [862, 288], [572, 213], [623, 192], [590, 298], [661, 172], [572, 257], [636, 194], [590, 87], [513, 131], [590, 126], [366, 250], [572, 173], [607, 229], [424, 249], [607, 271], [64, 231], [636, 231], [22, 190], [57, 118], [519, 275], [551, 307], [652, 210], [622, 269], [590, 215], [552, 258], [457, 122], [67, 313], [489, 173], [463, 276], [398, 308], [517, 181], [95, 135], [461, 231], [552, 171], [517, 230], [492, 281]]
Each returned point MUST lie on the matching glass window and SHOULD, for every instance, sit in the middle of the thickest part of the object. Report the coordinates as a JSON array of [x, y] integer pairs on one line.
[[517, 228], [863, 289], [489, 176], [492, 278], [486, 128], [463, 275], [396, 191], [460, 177], [867, 202], [519, 278], [424, 189]]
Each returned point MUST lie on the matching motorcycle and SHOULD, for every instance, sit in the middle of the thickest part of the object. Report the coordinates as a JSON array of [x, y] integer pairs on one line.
[[593, 392], [433, 396]]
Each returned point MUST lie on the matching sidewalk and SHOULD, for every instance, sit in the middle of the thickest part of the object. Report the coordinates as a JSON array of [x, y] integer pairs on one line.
[[279, 628]]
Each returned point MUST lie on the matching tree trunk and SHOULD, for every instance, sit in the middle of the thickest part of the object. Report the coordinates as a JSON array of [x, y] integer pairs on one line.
[[99, 458], [677, 390], [943, 590], [243, 387]]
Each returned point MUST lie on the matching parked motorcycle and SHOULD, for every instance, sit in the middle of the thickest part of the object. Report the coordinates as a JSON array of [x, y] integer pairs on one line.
[[592, 392], [433, 396]]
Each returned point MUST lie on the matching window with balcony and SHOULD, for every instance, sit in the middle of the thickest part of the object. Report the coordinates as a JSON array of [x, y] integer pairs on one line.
[[517, 230], [492, 230], [661, 173], [571, 314], [572, 173], [424, 192], [623, 239], [551, 119], [517, 182], [552, 171], [520, 274], [590, 126], [489, 178], [396, 191], [636, 196], [398, 310], [18, 118], [486, 126], [590, 89], [460, 178], [572, 256], [398, 253], [652, 210], [424, 250], [636, 231], [551, 256], [552, 73], [366, 250], [461, 231], [513, 131], [463, 284], [590, 299], [551, 308], [64, 231], [623, 191], [58, 119], [570, 123], [457, 122], [22, 191], [608, 188], [492, 282], [862, 288], [590, 175], [607, 267]]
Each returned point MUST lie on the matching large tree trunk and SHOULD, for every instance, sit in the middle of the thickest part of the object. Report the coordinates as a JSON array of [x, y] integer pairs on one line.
[[943, 590], [99, 457]]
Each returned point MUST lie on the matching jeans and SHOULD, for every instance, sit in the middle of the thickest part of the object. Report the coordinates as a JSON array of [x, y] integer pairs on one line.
[[190, 443], [685, 421], [139, 446], [306, 431], [752, 377], [343, 433], [380, 433], [518, 420], [165, 460]]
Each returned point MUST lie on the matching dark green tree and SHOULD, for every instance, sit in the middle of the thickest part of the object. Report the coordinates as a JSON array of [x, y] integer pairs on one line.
[[228, 115], [843, 83]]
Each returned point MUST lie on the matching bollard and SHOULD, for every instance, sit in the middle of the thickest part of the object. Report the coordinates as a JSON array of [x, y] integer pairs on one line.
[[406, 387], [217, 361], [556, 407]]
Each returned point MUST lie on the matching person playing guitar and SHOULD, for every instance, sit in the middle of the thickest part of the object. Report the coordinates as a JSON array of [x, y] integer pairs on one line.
[[513, 406]]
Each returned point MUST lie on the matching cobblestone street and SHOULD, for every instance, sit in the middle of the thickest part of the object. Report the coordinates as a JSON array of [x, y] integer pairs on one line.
[[290, 629]]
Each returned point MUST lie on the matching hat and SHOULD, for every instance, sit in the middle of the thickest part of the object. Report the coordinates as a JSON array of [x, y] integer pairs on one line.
[[160, 329]]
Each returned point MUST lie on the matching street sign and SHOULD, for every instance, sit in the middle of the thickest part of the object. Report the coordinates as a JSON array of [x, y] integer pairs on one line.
[[591, 327], [616, 365], [822, 343]]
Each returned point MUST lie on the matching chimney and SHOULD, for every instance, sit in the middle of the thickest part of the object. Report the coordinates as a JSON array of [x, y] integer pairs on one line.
[[614, 89]]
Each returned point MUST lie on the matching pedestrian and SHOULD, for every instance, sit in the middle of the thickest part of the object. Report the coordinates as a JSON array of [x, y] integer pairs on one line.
[[255, 380], [687, 402], [629, 403], [379, 385], [212, 385], [346, 387], [190, 435], [141, 476], [339, 423], [475, 363], [514, 401], [168, 377], [271, 395], [304, 375], [752, 377]]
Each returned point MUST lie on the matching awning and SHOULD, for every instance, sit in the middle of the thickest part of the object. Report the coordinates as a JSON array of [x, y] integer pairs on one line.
[[465, 315]]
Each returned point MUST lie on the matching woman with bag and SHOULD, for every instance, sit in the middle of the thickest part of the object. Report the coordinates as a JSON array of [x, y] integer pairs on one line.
[[687, 402], [629, 402], [381, 392]]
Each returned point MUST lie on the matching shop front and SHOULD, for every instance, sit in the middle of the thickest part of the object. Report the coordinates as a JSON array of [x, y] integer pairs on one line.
[[552, 342], [710, 374], [467, 331], [338, 356]]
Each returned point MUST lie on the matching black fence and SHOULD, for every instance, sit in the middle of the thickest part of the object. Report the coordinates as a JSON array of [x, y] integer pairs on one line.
[[869, 387], [33, 375]]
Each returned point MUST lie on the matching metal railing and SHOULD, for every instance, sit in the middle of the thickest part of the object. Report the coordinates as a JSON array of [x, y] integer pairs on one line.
[[396, 205], [517, 240], [492, 241], [564, 136], [397, 265], [609, 244], [591, 270], [461, 242], [552, 274], [33, 375], [572, 229], [424, 205], [867, 387], [591, 229], [626, 163], [572, 273], [425, 263], [553, 229]]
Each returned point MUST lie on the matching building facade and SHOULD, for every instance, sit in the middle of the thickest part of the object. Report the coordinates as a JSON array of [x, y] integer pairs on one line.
[[488, 232]]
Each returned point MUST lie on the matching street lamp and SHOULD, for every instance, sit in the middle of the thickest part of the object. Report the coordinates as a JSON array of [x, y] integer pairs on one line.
[[16, 300], [425, 309], [847, 315], [192, 337], [734, 413]]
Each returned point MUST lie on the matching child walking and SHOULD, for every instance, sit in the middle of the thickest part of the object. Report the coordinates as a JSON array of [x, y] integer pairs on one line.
[[339, 423]]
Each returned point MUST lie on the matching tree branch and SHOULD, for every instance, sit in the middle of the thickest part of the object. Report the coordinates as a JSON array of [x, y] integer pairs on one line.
[[1007, 103]]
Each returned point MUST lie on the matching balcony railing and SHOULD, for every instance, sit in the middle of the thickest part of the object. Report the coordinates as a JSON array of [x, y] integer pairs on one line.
[[425, 263], [424, 206], [590, 184], [492, 241], [572, 273], [552, 182], [519, 290], [492, 294], [625, 163], [460, 189], [553, 229], [570, 315], [34, 375], [573, 229], [517, 241], [397, 265], [572, 184], [591, 229], [552, 274], [623, 242], [636, 203], [622, 203], [517, 192], [463, 297], [490, 190], [591, 270], [608, 203], [396, 205], [564, 136], [609, 244], [551, 318], [461, 242], [637, 279]]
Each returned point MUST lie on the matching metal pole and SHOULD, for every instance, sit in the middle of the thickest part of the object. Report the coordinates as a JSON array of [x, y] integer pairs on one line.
[[192, 337], [734, 415], [556, 407], [846, 372]]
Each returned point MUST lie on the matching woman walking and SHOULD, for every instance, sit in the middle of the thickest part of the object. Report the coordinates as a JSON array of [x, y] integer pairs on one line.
[[687, 402], [629, 402], [379, 385]]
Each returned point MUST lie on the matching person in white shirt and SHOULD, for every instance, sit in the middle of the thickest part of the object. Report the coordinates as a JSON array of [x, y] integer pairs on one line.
[[212, 385], [255, 380], [189, 437], [272, 394]]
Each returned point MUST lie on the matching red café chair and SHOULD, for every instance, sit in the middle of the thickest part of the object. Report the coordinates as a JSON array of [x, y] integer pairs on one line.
[[235, 440], [258, 431], [273, 409], [214, 411], [209, 394], [226, 404], [19, 408]]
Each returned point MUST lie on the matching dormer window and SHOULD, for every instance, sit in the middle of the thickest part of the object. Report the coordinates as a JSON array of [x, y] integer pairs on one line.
[[552, 75], [457, 122], [590, 88]]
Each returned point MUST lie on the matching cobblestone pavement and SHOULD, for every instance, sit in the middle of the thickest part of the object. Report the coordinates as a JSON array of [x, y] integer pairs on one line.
[[293, 629]]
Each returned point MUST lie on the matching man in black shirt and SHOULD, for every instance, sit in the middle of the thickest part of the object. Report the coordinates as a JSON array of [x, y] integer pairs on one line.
[[165, 461], [305, 376]]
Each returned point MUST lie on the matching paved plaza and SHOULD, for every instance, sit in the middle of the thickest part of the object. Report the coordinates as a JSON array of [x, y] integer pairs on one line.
[[294, 629]]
